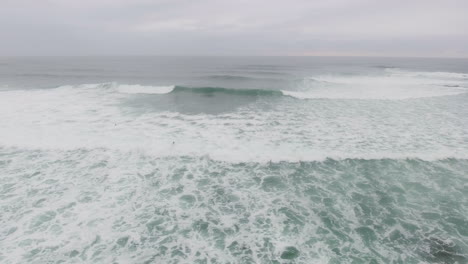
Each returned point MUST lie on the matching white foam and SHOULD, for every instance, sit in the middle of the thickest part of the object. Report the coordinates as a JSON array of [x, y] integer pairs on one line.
[[435, 75], [140, 89], [95, 116], [394, 85], [73, 118], [375, 92], [105, 206]]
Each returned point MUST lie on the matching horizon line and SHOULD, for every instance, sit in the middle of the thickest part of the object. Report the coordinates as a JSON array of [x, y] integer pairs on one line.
[[242, 55]]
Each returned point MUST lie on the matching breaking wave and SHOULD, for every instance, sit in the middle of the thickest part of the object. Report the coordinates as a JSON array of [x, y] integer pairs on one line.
[[322, 92], [139, 89], [394, 85]]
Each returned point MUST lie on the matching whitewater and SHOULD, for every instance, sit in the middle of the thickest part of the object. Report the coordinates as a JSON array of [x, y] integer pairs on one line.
[[233, 160]]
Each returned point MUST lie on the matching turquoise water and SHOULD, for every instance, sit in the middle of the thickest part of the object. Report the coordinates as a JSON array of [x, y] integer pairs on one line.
[[237, 160]]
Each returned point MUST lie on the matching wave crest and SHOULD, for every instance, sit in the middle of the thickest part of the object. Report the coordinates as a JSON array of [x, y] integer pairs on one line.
[[140, 89]]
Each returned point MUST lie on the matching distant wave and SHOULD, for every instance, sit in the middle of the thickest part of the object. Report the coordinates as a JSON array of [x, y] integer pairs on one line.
[[268, 67], [384, 67], [78, 74], [241, 78], [264, 72], [229, 77]]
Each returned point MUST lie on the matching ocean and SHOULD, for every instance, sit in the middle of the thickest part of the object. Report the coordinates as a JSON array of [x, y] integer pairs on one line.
[[233, 160]]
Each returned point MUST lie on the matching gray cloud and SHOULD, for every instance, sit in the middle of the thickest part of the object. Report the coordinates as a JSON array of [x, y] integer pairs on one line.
[[242, 27]]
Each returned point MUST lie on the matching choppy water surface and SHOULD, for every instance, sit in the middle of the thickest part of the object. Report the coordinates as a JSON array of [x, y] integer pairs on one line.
[[233, 160]]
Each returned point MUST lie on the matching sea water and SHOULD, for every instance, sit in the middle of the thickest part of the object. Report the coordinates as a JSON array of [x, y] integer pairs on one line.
[[233, 160]]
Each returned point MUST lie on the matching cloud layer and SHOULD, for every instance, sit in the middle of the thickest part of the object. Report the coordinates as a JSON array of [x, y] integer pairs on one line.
[[242, 27]]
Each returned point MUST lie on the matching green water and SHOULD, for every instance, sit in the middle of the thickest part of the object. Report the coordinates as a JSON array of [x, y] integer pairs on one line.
[[164, 210]]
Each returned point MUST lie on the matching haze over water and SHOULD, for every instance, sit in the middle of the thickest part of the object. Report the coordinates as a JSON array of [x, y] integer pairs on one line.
[[233, 160]]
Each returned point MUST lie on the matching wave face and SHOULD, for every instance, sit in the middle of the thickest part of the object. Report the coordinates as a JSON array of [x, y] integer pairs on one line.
[[357, 163], [215, 90]]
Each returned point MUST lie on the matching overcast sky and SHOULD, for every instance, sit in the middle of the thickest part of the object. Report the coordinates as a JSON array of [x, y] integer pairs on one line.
[[435, 28]]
